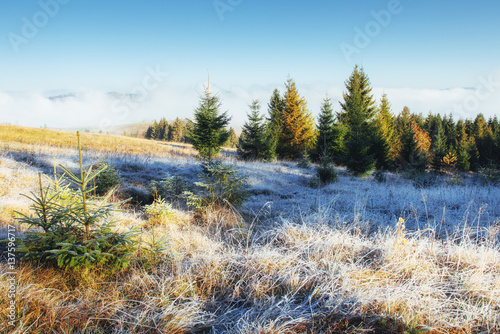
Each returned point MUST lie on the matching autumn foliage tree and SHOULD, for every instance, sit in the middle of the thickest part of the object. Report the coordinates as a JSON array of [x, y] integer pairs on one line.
[[413, 142], [297, 124]]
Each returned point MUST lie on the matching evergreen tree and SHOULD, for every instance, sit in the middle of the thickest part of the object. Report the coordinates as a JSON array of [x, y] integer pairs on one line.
[[274, 124], [154, 131], [251, 145], [188, 130], [162, 129], [176, 132], [357, 113], [148, 132], [439, 148], [462, 147], [209, 132], [325, 131], [297, 131], [496, 152], [483, 136], [233, 138], [339, 150], [450, 130], [384, 147], [413, 142]]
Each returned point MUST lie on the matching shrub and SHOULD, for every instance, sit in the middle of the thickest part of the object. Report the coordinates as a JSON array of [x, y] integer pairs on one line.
[[420, 179], [159, 211], [489, 175], [456, 180], [172, 188], [74, 232], [304, 161], [380, 176], [107, 179], [220, 185], [326, 171]]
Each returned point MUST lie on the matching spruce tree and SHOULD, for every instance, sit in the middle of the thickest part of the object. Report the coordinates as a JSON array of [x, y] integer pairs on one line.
[[297, 131], [462, 147], [439, 148], [274, 124], [162, 129], [148, 132], [325, 131], [357, 114], [413, 142], [483, 136], [251, 145], [339, 150], [208, 131], [176, 132], [232, 141], [154, 130], [384, 146]]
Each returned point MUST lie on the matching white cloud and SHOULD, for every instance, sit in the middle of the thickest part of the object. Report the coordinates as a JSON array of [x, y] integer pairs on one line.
[[89, 108]]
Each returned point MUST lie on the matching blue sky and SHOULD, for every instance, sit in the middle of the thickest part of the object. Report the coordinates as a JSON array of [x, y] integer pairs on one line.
[[420, 50]]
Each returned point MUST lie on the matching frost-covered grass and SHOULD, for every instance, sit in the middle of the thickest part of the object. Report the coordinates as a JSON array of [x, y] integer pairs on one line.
[[306, 260]]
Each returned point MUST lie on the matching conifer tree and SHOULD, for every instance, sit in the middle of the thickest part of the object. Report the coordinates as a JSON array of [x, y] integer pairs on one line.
[[297, 131], [496, 138], [148, 132], [176, 132], [439, 148], [274, 124], [450, 131], [162, 129], [339, 150], [484, 140], [209, 132], [232, 141], [251, 144], [413, 142], [384, 147], [325, 131], [357, 114], [462, 147], [154, 130]]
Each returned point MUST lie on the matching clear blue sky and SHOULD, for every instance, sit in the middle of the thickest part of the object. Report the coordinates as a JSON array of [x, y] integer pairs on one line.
[[106, 45]]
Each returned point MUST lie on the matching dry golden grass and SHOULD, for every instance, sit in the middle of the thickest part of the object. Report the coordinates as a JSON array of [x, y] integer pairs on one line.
[[33, 139]]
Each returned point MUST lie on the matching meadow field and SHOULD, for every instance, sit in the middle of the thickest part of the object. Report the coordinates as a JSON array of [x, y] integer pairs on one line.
[[355, 256]]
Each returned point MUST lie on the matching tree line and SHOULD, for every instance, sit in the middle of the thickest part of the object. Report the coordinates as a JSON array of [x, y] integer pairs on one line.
[[179, 132], [364, 134]]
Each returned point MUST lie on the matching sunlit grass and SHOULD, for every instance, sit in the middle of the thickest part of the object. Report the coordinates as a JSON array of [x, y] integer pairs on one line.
[[311, 272], [29, 139]]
